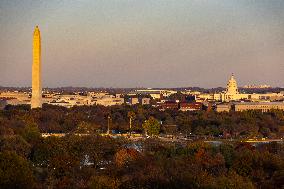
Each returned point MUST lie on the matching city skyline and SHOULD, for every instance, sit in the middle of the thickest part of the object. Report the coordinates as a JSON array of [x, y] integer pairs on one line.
[[166, 44]]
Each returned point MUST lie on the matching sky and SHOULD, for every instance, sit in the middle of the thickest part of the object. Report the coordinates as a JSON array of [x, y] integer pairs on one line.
[[143, 43]]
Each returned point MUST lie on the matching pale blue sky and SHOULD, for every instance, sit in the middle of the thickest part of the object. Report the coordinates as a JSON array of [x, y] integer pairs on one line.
[[149, 43]]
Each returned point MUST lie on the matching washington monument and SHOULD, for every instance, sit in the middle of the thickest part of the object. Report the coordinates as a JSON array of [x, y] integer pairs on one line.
[[36, 101]]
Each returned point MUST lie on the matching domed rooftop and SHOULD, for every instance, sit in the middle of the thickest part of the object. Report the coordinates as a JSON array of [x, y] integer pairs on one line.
[[232, 87]]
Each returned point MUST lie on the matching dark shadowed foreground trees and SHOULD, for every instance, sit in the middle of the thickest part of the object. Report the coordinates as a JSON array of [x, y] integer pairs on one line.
[[15, 171], [102, 162]]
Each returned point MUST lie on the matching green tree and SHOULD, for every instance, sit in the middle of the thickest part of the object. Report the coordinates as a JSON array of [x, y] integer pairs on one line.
[[152, 126]]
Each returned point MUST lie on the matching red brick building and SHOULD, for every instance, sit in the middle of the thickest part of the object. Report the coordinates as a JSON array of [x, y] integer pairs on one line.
[[190, 106]]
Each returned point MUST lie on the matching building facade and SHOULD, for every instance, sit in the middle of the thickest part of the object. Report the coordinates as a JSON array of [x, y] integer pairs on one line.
[[262, 106]]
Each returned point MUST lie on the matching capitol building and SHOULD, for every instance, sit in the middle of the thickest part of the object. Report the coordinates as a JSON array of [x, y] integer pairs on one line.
[[231, 93], [234, 100]]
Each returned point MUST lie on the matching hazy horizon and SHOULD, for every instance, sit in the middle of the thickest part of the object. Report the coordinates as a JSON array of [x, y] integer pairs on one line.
[[151, 43]]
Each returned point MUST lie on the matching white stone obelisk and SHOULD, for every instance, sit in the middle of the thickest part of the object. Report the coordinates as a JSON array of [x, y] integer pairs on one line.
[[36, 101]]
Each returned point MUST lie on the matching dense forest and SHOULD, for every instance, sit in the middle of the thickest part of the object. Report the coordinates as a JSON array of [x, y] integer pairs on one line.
[[93, 161], [55, 119]]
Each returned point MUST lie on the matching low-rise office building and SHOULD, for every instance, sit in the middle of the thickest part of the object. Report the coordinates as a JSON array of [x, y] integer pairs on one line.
[[244, 106], [262, 106], [145, 101], [223, 107], [155, 93], [109, 101], [134, 100]]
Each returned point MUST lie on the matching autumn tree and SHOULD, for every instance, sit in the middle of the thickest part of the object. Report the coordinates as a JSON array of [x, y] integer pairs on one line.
[[125, 156]]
